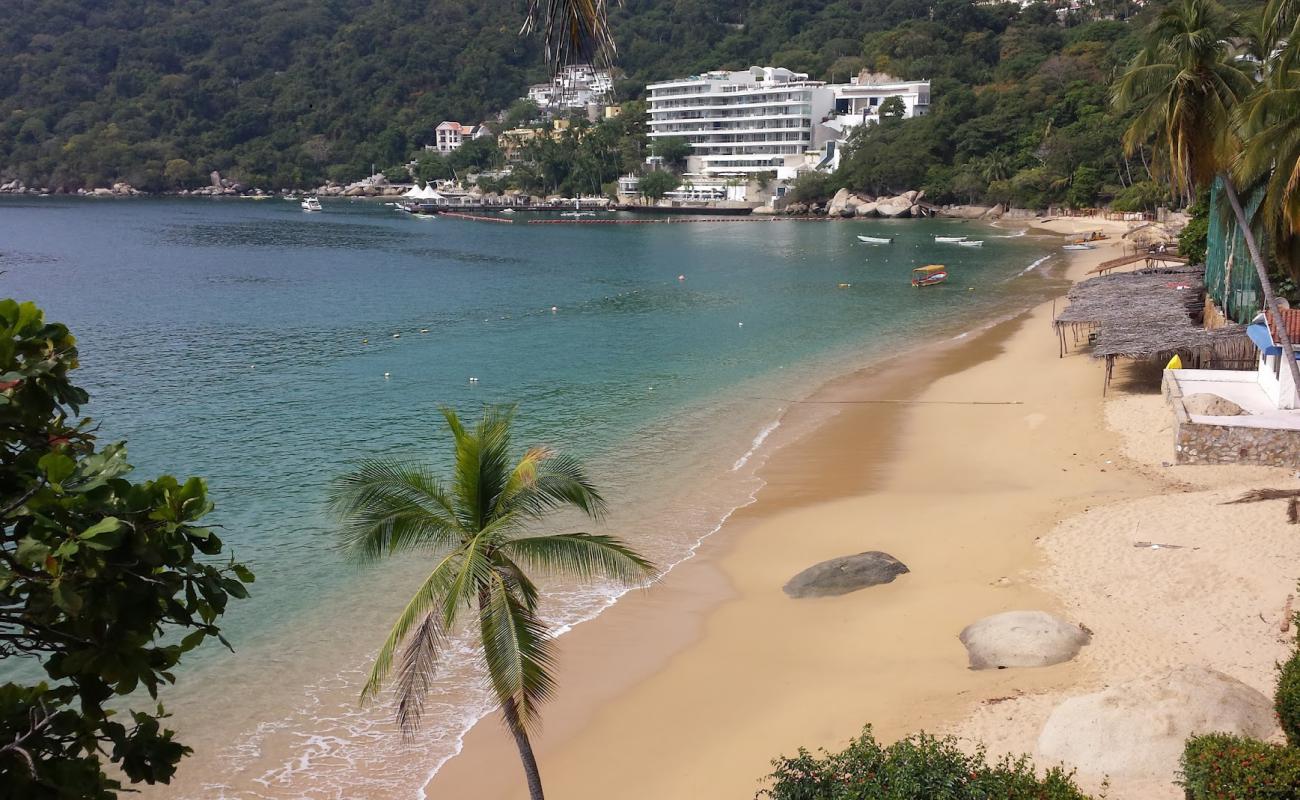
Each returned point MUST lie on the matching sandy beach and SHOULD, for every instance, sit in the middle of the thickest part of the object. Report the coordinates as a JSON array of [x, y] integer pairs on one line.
[[996, 472]]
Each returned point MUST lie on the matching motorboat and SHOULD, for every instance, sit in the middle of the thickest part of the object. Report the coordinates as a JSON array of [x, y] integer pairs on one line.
[[929, 275], [311, 204], [876, 239], [507, 211], [950, 239], [972, 243]]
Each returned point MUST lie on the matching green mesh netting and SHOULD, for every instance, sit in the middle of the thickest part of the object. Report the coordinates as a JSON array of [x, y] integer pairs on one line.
[[1230, 277]]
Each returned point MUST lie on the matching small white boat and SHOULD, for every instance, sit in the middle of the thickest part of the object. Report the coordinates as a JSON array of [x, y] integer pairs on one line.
[[1078, 247], [876, 239], [972, 243], [578, 214], [507, 211], [311, 204], [950, 239]]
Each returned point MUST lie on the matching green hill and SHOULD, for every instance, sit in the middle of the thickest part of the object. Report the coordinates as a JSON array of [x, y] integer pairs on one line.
[[279, 93]]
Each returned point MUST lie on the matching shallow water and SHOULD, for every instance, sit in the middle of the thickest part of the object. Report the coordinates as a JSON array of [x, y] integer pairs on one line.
[[266, 349]]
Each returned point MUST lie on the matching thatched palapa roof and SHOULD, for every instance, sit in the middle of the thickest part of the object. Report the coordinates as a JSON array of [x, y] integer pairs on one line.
[[1149, 314]]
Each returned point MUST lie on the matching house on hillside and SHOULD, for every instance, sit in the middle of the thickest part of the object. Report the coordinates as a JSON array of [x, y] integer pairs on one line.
[[449, 136]]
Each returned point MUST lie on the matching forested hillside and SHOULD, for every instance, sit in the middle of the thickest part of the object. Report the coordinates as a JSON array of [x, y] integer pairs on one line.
[[288, 93]]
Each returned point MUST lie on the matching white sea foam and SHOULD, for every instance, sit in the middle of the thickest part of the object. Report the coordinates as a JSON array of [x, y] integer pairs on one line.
[[757, 443], [1035, 265], [1015, 235]]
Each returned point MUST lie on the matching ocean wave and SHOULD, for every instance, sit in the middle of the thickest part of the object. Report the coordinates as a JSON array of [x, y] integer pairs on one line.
[[1035, 265], [1016, 235], [757, 443]]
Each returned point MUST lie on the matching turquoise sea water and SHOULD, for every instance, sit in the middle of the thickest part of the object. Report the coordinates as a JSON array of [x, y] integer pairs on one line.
[[266, 349]]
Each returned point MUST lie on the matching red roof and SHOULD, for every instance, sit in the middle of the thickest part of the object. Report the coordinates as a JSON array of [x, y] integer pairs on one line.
[[1292, 318]]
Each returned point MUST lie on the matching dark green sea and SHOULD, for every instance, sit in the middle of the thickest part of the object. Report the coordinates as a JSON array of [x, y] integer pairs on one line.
[[266, 349]]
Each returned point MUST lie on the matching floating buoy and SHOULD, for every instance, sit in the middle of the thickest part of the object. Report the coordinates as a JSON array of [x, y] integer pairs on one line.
[[740, 324], [681, 277], [365, 341], [397, 335], [385, 376], [554, 309]]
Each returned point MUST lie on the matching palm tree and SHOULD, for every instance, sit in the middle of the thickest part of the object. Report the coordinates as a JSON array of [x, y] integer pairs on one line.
[[474, 529], [1270, 124], [1186, 89]]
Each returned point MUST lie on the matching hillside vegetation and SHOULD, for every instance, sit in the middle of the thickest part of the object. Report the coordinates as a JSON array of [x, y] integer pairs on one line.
[[278, 93]]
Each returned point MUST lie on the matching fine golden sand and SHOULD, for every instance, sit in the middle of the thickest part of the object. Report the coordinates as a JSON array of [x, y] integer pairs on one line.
[[996, 472]]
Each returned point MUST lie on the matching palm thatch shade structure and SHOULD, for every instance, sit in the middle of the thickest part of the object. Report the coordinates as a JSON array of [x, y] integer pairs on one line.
[[1150, 315]]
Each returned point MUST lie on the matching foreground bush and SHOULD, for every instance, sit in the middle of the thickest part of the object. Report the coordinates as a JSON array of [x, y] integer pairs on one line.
[[1287, 697], [920, 767], [1219, 766]]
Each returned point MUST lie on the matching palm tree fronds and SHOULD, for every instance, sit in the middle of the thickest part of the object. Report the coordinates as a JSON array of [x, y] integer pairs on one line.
[[517, 650], [1260, 495], [583, 555], [572, 31], [430, 596], [419, 663], [386, 506]]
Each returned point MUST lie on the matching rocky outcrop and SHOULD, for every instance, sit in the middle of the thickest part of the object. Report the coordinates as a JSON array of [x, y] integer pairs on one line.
[[1211, 405], [845, 574], [900, 206], [1022, 639], [1136, 730]]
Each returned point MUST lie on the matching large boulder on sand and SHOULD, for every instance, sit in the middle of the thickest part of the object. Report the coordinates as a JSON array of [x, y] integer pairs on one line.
[[1136, 730], [845, 574], [1022, 639], [893, 206], [866, 209], [1211, 405], [839, 203]]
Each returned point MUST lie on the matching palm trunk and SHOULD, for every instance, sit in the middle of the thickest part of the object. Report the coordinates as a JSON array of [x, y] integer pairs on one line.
[[525, 749], [1270, 299], [516, 726]]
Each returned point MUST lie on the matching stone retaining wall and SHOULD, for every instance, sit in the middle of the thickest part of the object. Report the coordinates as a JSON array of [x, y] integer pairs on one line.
[[1199, 443]]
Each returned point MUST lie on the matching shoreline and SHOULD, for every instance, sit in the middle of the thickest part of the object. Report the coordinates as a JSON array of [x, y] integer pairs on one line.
[[679, 623]]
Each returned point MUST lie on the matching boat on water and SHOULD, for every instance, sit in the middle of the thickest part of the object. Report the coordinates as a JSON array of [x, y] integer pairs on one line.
[[876, 239], [577, 213], [1079, 246], [972, 243], [929, 275], [311, 204], [507, 211], [950, 239]]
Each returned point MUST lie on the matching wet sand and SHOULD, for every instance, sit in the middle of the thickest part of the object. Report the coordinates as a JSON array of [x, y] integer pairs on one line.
[[956, 460]]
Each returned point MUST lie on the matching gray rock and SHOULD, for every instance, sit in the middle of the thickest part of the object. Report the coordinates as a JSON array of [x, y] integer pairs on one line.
[[1022, 639], [845, 574], [215, 178], [1137, 729], [1211, 405]]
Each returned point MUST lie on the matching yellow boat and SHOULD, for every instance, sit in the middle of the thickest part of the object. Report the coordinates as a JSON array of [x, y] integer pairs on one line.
[[929, 275]]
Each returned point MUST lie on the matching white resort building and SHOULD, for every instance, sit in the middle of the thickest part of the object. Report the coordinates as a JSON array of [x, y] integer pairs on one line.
[[770, 119], [577, 87], [449, 136]]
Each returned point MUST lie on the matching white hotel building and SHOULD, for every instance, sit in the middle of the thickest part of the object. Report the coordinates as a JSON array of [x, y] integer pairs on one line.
[[771, 119]]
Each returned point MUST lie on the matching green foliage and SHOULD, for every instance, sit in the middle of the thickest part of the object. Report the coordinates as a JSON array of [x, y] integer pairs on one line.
[[1019, 105], [1286, 698], [892, 108], [811, 187], [674, 150], [1141, 196], [431, 166], [1223, 766], [920, 767], [1194, 239], [104, 583], [657, 183]]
